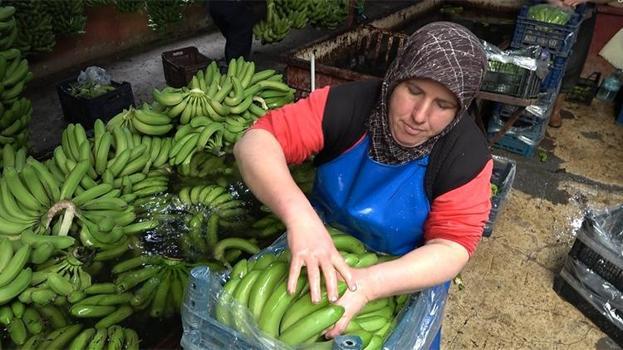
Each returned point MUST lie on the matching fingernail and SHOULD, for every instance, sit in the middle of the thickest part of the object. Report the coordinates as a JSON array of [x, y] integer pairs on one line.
[[333, 299], [353, 288]]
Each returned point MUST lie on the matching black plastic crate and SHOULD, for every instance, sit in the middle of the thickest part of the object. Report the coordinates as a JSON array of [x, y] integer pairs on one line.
[[503, 176], [585, 89], [581, 298], [510, 79], [86, 110], [182, 64], [557, 39], [591, 249]]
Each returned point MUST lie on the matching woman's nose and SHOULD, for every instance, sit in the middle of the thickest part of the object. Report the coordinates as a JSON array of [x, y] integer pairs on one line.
[[421, 111]]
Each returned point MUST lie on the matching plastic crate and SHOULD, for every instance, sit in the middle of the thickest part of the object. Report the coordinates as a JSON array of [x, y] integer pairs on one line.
[[417, 323], [558, 39], [503, 176], [553, 79], [523, 137], [86, 110], [181, 65], [592, 303], [596, 245], [585, 89], [512, 80]]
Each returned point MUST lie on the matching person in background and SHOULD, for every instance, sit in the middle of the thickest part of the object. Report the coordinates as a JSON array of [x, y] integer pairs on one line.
[[235, 20], [576, 59], [400, 165]]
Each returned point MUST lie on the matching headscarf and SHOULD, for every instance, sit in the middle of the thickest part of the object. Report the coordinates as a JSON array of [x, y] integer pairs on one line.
[[445, 52]]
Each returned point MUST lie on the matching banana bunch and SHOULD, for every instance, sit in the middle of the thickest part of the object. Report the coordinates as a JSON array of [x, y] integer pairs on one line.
[[14, 119], [56, 339], [12, 158], [204, 164], [327, 13], [158, 283], [257, 290], [113, 337], [105, 304], [8, 28], [68, 16], [35, 33], [296, 10], [14, 74], [59, 280], [269, 226], [128, 5], [15, 277], [229, 250], [21, 321], [215, 198], [201, 133], [27, 199], [133, 155], [274, 28], [45, 247], [142, 121]]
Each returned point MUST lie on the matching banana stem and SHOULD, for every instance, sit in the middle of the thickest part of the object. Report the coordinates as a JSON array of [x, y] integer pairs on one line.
[[68, 217]]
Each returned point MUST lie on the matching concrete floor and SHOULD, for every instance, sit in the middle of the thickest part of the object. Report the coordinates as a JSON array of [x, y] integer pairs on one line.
[[508, 301]]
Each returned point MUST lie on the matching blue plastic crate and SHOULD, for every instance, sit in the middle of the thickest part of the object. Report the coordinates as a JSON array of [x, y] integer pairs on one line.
[[558, 39], [417, 323], [556, 73], [524, 136]]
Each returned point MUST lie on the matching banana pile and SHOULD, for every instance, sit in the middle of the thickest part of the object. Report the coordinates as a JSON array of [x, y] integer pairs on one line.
[[67, 16], [257, 292], [163, 14], [10, 157], [205, 164], [128, 5], [158, 283], [327, 13], [35, 33], [215, 109], [281, 15]]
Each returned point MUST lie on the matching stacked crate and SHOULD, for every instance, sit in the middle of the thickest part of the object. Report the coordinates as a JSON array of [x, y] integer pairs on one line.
[[592, 276], [527, 133]]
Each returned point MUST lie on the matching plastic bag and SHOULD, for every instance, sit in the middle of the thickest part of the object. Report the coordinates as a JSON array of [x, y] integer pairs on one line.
[[606, 227], [94, 75], [602, 295], [418, 322], [504, 170], [533, 58]]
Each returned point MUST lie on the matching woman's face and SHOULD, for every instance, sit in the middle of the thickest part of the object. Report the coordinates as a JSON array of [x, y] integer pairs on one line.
[[420, 109]]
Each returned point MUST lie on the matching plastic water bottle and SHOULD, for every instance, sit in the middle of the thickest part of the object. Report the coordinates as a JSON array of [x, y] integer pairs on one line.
[[610, 86]]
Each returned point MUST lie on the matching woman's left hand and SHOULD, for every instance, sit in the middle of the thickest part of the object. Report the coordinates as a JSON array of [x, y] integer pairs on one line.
[[352, 302]]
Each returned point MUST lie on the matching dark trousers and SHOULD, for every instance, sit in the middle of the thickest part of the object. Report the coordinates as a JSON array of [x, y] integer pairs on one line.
[[235, 20], [576, 60]]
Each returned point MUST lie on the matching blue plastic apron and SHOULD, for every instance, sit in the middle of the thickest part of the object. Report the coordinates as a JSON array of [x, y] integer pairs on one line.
[[385, 206]]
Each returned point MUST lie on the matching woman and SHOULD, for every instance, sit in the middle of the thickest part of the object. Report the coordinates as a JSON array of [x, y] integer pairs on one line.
[[400, 166]]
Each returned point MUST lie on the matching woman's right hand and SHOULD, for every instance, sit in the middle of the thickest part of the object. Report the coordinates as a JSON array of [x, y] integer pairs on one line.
[[311, 246]]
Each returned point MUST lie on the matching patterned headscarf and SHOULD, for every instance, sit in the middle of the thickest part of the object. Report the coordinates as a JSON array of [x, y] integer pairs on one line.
[[445, 52]]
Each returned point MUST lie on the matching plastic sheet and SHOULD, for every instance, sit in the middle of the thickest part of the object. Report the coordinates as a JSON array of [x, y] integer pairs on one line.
[[94, 75], [602, 295], [533, 58], [606, 227], [504, 170], [418, 322]]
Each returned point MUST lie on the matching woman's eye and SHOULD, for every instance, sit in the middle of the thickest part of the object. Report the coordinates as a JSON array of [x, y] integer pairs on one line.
[[414, 90]]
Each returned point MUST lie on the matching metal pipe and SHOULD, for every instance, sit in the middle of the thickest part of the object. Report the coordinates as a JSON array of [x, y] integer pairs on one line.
[[312, 71]]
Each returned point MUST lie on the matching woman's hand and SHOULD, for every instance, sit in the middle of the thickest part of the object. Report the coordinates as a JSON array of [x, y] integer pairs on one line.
[[352, 301], [311, 246]]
